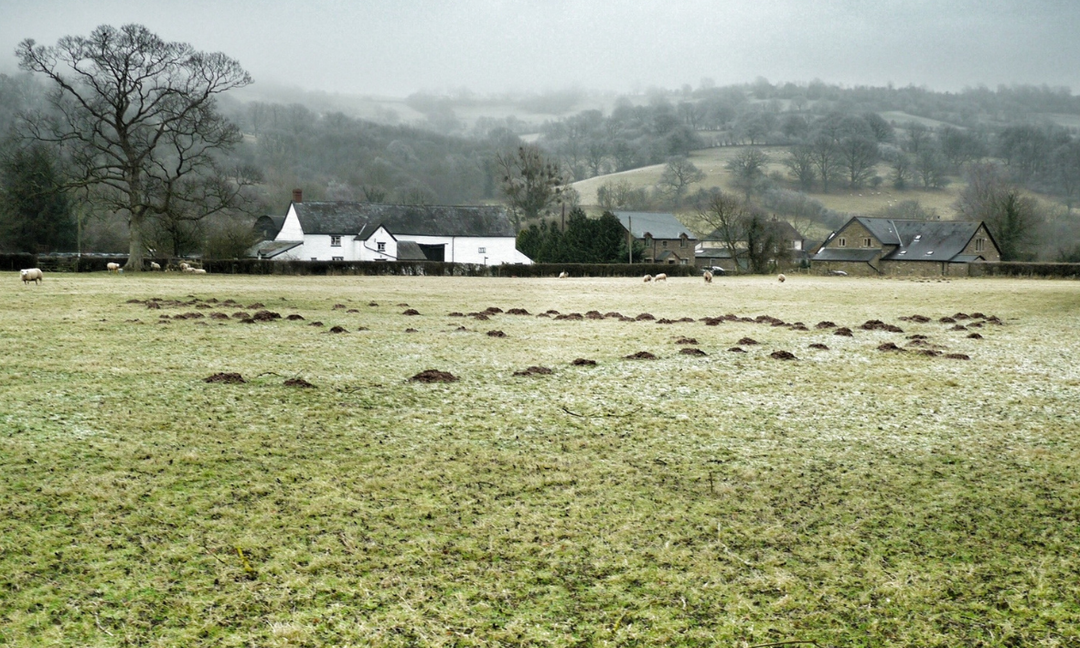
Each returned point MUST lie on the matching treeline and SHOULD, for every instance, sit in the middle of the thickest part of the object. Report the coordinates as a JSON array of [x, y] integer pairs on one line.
[[581, 240]]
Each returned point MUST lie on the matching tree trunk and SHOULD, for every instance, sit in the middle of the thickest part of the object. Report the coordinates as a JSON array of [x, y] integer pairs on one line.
[[135, 244]]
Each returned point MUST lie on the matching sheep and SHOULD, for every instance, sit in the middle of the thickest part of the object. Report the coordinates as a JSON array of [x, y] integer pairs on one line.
[[32, 274], [708, 276], [197, 271], [660, 277], [112, 267], [781, 278], [563, 275], [154, 266], [185, 266], [648, 278]]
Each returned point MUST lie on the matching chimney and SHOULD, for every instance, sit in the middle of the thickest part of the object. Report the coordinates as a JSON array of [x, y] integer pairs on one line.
[[297, 195]]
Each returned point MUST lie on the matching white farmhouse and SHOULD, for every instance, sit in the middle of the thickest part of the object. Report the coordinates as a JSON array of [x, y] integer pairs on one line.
[[353, 231]]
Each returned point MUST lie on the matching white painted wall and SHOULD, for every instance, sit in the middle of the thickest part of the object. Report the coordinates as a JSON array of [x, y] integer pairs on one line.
[[490, 250]]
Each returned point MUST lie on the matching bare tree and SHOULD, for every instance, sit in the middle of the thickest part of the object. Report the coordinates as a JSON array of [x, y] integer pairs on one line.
[[800, 161], [531, 182], [858, 155], [826, 158], [139, 119], [1012, 218], [749, 169], [678, 174], [724, 217]]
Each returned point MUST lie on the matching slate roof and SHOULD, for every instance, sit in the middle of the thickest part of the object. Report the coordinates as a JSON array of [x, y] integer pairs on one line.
[[409, 251], [660, 225], [911, 240], [418, 220], [270, 249], [268, 226]]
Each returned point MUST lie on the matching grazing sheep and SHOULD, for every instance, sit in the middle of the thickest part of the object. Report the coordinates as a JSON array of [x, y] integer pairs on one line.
[[154, 266], [708, 276], [113, 267], [32, 274], [648, 278], [563, 275], [660, 277], [781, 278]]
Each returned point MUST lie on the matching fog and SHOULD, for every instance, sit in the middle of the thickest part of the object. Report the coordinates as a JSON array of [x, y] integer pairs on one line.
[[397, 47]]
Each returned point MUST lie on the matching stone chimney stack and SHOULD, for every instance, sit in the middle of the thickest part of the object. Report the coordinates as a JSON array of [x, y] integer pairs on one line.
[[297, 195]]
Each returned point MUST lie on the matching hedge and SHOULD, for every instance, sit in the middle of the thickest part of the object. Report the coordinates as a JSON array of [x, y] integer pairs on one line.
[[1025, 269]]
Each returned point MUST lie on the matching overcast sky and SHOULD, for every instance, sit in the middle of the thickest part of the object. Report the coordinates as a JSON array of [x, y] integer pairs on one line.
[[397, 47]]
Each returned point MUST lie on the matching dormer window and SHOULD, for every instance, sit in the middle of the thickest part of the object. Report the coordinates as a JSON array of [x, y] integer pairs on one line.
[[335, 240], [918, 236], [903, 251], [929, 253], [380, 246]]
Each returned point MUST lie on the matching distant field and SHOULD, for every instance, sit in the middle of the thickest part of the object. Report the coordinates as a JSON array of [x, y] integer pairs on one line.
[[848, 497], [713, 160]]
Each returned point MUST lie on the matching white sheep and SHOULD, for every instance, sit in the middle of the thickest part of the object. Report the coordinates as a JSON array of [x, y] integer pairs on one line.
[[112, 267], [708, 276], [197, 271], [154, 266], [563, 275], [648, 278], [660, 277], [781, 278], [185, 266], [32, 274]]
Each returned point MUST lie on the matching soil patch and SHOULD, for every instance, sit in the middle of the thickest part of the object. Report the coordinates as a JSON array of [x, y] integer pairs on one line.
[[819, 346], [496, 334], [338, 329], [748, 341], [782, 355], [641, 355], [843, 331], [686, 340], [825, 325], [227, 378], [645, 316], [517, 311], [888, 346], [411, 311], [298, 382], [692, 351], [534, 371], [295, 317], [434, 376], [958, 356], [583, 362], [737, 350]]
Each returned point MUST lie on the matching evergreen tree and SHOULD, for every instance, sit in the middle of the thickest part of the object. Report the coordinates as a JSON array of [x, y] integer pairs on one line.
[[35, 215]]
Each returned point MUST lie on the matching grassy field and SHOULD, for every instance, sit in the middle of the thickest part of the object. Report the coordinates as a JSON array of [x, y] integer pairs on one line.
[[848, 497], [712, 161]]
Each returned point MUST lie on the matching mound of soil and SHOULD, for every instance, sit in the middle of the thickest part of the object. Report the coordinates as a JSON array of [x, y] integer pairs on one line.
[[434, 376], [493, 310], [917, 337], [534, 371], [203, 306], [373, 304], [570, 316], [247, 320], [686, 340], [218, 316], [947, 320], [737, 350], [517, 311], [645, 316], [265, 316], [455, 314], [496, 334], [975, 336], [888, 346], [782, 355], [153, 304], [799, 326], [411, 330], [193, 315], [593, 315], [958, 356], [748, 341], [878, 325], [929, 352], [961, 316], [295, 317], [614, 315], [819, 346], [843, 331], [298, 382], [692, 351], [315, 324], [583, 362], [641, 355], [256, 306], [825, 325], [479, 316], [352, 310], [227, 378], [411, 311], [958, 327], [543, 315], [241, 315], [664, 320], [713, 321], [551, 311], [338, 329], [921, 319]]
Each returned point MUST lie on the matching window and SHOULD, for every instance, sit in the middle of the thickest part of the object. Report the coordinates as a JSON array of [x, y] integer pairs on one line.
[[337, 258], [868, 242], [682, 241], [380, 246], [335, 241], [841, 242], [665, 243], [314, 258], [980, 244], [481, 250]]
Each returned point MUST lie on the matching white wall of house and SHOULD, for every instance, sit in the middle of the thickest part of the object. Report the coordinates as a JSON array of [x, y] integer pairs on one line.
[[489, 250], [380, 246], [290, 229]]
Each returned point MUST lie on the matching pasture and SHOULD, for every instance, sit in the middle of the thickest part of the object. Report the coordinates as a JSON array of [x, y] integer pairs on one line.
[[848, 497]]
